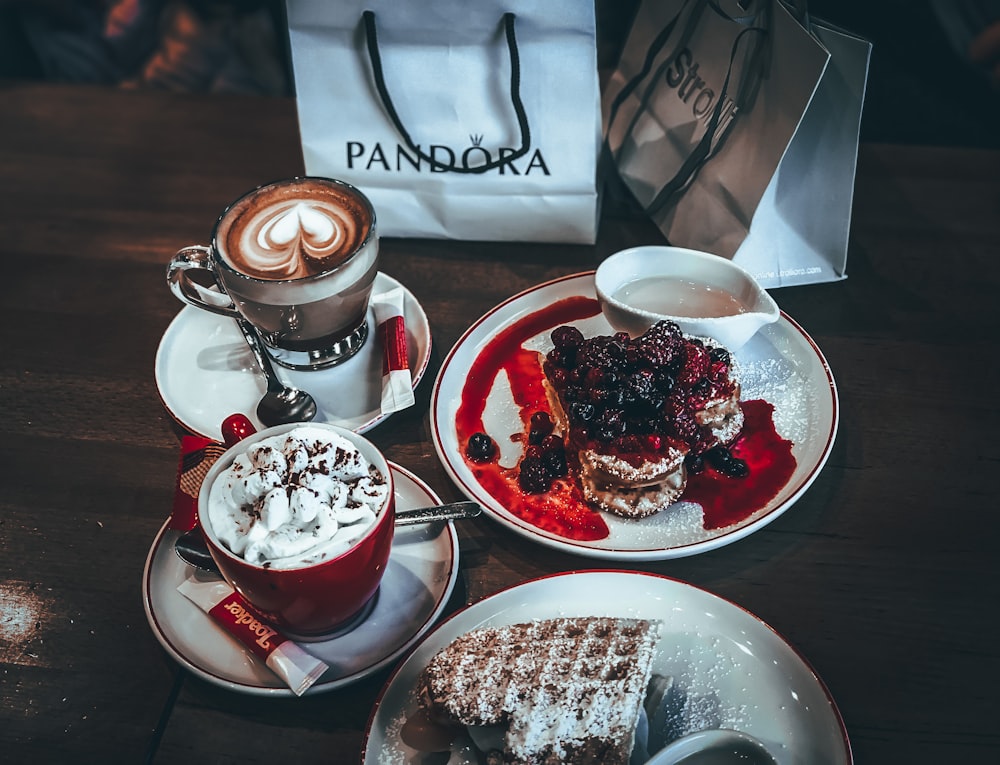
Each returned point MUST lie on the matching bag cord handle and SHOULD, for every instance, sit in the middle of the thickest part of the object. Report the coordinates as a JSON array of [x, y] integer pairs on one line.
[[371, 37], [708, 145]]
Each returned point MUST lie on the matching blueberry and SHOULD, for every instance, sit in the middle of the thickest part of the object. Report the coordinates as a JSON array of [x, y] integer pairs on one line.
[[480, 448]]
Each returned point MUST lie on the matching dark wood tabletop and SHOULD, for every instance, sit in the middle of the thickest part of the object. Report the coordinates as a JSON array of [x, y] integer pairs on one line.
[[881, 575]]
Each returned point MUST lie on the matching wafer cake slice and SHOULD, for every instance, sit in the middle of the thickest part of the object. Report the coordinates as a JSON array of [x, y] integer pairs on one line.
[[566, 690]]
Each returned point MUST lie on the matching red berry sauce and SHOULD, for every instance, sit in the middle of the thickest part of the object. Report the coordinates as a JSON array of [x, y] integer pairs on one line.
[[562, 510]]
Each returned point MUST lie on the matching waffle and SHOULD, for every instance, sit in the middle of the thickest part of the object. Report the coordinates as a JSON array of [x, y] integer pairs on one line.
[[567, 690]]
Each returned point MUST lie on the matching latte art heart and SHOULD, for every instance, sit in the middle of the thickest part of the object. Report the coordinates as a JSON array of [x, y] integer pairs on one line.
[[294, 231], [292, 240]]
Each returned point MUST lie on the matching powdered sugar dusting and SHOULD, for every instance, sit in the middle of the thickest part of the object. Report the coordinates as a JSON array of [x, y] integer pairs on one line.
[[776, 381], [561, 685]]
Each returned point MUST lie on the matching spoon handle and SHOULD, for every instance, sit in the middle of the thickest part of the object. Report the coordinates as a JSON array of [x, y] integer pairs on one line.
[[451, 511], [259, 355]]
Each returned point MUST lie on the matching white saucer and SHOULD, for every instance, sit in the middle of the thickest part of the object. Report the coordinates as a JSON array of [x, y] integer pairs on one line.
[[419, 579], [730, 669], [205, 371]]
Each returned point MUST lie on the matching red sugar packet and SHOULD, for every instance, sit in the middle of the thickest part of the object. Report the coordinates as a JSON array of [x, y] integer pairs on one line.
[[397, 381], [296, 668]]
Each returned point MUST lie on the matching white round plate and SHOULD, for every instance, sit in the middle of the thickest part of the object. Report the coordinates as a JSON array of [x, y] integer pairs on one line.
[[780, 364], [418, 581], [731, 669], [205, 371]]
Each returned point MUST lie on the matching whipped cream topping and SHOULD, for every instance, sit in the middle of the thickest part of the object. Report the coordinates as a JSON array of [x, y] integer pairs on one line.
[[296, 499], [294, 238]]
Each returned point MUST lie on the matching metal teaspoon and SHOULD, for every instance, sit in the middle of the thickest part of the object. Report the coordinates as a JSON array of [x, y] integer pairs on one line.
[[280, 404], [192, 549]]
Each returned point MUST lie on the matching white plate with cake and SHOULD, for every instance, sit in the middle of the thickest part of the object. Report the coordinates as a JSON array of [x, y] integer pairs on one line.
[[712, 664], [498, 377]]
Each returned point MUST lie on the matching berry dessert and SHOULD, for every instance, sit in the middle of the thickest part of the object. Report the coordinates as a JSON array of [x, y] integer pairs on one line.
[[637, 415]]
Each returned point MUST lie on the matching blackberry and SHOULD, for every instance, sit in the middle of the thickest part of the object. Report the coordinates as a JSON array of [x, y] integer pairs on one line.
[[480, 448], [554, 462], [665, 381], [533, 477], [594, 377], [640, 385], [720, 354], [566, 337], [610, 424], [563, 358], [695, 464], [551, 442], [581, 412]]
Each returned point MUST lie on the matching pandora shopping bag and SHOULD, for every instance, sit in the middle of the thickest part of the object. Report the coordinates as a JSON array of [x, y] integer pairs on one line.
[[736, 126], [458, 120]]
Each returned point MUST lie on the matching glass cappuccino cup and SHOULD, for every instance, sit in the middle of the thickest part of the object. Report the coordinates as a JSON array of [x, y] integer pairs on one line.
[[296, 259]]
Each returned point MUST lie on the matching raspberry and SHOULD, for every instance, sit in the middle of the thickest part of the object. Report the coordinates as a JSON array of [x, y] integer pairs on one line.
[[696, 365], [685, 427], [718, 371]]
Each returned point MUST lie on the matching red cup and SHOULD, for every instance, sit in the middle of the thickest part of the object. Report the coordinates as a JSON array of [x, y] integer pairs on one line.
[[312, 601]]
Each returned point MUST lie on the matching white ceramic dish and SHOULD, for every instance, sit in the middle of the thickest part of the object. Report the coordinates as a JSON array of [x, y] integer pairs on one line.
[[205, 371], [418, 581], [701, 278], [733, 669], [781, 364]]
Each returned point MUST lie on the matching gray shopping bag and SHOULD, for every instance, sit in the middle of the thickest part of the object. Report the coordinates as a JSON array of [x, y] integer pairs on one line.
[[736, 126]]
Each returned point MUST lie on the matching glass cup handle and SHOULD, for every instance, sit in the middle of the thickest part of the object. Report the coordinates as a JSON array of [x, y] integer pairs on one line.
[[187, 290]]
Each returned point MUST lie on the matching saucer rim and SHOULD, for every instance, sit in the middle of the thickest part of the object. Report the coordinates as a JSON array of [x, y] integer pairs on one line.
[[417, 323]]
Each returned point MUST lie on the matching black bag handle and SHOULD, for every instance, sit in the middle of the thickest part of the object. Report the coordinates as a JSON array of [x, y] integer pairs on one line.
[[371, 37], [705, 148]]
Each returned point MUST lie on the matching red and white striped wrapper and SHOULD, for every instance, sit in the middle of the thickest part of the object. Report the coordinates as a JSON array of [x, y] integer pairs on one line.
[[397, 381], [296, 668]]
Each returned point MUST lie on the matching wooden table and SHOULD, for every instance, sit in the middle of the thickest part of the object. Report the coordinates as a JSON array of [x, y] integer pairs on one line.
[[881, 575]]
